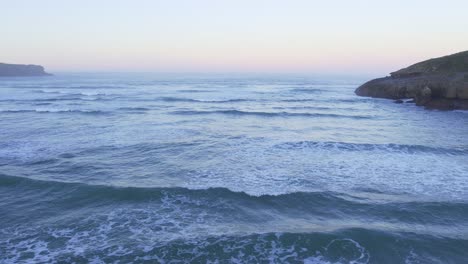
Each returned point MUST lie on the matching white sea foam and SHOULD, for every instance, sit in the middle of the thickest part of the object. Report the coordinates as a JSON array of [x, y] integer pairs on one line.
[[266, 169], [50, 110], [75, 92]]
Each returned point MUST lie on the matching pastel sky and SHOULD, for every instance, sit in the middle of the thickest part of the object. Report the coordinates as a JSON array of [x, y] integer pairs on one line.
[[307, 36]]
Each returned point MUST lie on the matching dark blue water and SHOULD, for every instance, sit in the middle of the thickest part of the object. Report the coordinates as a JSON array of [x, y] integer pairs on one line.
[[219, 169]]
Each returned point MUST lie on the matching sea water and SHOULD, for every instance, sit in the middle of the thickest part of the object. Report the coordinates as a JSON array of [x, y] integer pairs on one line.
[[226, 169]]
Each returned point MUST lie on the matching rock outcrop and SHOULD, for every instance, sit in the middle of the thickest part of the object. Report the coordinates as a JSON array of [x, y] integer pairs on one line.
[[13, 70], [440, 83]]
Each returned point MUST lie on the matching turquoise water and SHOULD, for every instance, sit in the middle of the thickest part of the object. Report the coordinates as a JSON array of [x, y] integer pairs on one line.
[[220, 169]]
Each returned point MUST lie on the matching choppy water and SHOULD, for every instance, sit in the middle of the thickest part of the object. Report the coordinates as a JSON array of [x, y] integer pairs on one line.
[[173, 169]]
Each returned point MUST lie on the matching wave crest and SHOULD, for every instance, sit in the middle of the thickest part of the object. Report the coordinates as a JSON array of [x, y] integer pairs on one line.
[[267, 114], [343, 146], [53, 110]]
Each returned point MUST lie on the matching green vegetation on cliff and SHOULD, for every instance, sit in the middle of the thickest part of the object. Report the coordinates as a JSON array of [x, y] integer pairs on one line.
[[453, 63]]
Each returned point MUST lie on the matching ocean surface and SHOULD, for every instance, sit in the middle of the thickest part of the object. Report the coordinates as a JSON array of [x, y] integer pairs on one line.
[[135, 168]]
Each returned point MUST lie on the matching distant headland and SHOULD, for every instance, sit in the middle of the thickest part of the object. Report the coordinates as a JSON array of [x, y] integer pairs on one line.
[[17, 70], [440, 83]]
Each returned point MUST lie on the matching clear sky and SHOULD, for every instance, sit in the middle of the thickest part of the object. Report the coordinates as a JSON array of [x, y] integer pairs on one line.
[[307, 36]]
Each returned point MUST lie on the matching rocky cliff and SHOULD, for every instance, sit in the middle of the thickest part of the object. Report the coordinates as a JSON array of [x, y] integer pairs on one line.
[[440, 83], [11, 70]]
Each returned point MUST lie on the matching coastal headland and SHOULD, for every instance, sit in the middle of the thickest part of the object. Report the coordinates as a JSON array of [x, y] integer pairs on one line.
[[440, 83], [18, 70]]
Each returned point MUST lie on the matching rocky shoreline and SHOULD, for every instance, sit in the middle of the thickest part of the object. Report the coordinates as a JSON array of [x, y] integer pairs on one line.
[[440, 83]]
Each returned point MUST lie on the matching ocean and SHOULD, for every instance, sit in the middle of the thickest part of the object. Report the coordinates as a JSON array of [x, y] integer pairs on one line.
[[153, 168]]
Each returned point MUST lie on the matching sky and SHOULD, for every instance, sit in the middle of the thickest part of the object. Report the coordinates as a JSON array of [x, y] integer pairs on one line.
[[255, 36]]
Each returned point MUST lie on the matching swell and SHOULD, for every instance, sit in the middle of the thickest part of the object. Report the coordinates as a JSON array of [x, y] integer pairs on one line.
[[73, 98], [131, 225], [394, 148], [134, 109], [308, 91], [56, 111], [61, 98], [303, 100], [110, 97], [308, 107], [46, 87], [268, 114], [178, 99], [292, 100], [196, 91], [68, 93], [304, 204]]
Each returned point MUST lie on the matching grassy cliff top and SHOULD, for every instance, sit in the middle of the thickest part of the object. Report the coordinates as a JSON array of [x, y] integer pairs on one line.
[[453, 63]]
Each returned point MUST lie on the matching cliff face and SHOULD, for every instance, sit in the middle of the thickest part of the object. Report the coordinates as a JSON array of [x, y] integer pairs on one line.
[[440, 83], [11, 70]]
